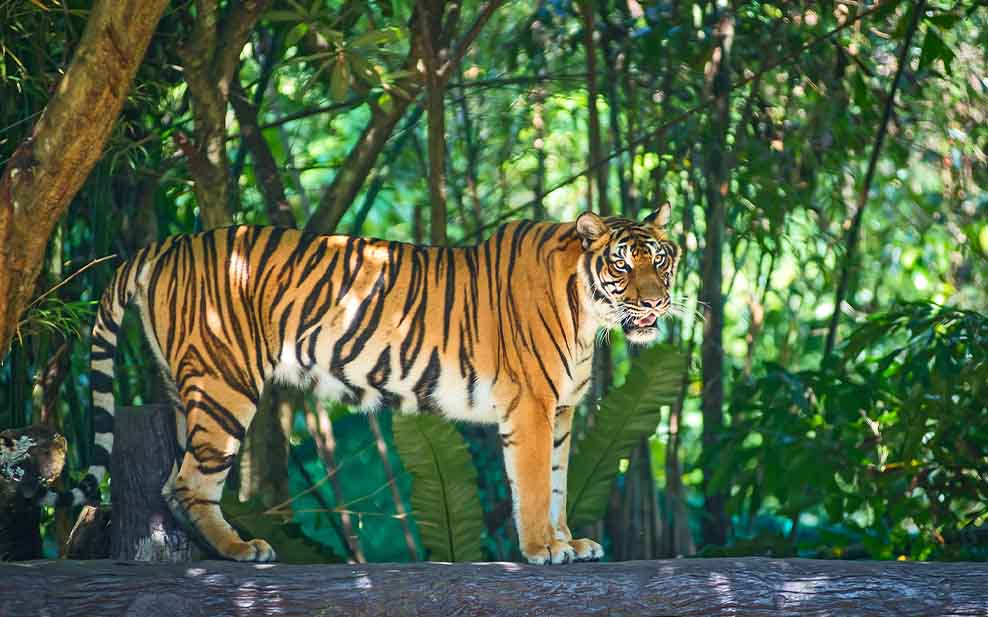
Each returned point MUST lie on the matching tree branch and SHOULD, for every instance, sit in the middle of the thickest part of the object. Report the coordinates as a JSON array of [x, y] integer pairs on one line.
[[854, 233], [451, 64], [48, 168], [210, 60]]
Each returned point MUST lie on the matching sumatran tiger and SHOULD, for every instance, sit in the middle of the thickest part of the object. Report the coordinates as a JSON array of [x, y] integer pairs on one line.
[[501, 333]]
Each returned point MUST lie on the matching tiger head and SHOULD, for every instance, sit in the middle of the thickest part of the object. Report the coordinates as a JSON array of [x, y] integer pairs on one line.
[[630, 267]]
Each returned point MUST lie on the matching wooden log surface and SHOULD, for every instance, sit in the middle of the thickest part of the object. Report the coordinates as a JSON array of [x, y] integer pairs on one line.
[[685, 587]]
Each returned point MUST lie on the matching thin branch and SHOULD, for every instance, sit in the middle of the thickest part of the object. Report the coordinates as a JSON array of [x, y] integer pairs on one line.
[[463, 45], [854, 233], [69, 278]]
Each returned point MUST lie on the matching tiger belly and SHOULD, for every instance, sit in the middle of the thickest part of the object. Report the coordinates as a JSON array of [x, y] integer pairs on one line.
[[365, 384]]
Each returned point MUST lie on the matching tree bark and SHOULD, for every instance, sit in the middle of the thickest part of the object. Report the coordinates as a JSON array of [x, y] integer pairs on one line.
[[48, 168], [740, 587], [263, 469]]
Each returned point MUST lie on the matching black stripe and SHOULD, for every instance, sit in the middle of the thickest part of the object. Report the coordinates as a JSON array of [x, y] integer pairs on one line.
[[102, 420], [428, 381], [100, 382], [223, 417], [101, 458]]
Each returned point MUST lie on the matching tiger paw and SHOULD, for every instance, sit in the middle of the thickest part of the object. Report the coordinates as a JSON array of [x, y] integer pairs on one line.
[[256, 550], [556, 552], [587, 550]]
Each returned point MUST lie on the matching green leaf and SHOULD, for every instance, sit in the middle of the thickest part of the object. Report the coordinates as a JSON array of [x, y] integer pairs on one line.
[[944, 21], [283, 16], [363, 69], [444, 486], [385, 102], [626, 414], [339, 81], [374, 38], [934, 48], [296, 34]]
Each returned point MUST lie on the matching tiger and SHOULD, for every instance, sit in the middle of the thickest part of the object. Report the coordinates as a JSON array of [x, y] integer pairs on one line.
[[502, 333]]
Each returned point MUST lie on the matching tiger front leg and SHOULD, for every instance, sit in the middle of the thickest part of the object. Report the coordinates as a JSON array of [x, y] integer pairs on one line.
[[527, 437], [585, 548]]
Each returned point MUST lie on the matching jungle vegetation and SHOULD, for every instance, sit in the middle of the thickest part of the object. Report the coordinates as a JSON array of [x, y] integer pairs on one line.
[[827, 395]]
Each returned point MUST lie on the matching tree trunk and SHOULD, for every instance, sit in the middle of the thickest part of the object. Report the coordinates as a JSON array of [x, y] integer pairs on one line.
[[143, 455], [430, 25], [210, 58], [48, 168], [263, 470], [320, 426], [597, 164], [349, 179], [715, 523], [753, 586]]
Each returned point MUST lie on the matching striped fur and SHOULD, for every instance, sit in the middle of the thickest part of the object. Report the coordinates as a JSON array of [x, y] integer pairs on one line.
[[500, 333]]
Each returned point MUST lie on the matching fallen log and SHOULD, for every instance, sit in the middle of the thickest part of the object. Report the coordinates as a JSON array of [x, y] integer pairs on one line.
[[685, 587]]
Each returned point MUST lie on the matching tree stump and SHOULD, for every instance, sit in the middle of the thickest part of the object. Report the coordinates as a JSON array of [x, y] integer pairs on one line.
[[144, 451], [30, 459]]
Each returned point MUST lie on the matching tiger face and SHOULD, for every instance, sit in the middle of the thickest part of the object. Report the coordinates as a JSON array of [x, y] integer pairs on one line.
[[629, 268]]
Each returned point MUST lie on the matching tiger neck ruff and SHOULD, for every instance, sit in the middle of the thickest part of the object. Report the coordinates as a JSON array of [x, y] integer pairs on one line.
[[502, 333]]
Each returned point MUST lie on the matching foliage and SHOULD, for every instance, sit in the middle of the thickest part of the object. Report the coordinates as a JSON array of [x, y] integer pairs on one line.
[[891, 442], [253, 520], [626, 415], [444, 489], [808, 82], [363, 490]]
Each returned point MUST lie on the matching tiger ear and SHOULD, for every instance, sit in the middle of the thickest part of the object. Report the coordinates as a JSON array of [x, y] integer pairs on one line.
[[659, 218], [590, 228]]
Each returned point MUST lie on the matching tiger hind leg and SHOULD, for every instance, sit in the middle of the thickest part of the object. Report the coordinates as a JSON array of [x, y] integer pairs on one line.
[[216, 426]]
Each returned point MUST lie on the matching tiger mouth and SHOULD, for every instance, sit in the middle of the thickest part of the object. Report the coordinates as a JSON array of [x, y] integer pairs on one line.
[[643, 324]]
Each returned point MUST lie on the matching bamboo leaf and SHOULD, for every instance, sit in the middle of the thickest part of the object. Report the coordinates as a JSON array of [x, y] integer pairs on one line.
[[444, 487], [625, 416]]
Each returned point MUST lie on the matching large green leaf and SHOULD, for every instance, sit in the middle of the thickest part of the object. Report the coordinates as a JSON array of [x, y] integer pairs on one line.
[[626, 414], [444, 487]]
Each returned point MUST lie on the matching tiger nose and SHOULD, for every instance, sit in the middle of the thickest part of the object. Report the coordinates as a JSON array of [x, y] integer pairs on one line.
[[652, 303]]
